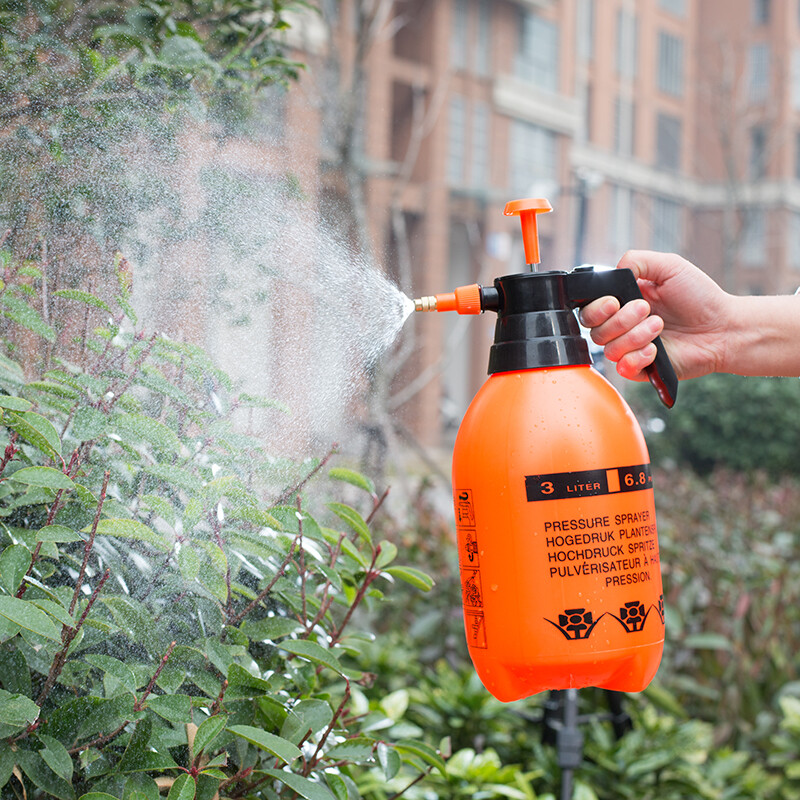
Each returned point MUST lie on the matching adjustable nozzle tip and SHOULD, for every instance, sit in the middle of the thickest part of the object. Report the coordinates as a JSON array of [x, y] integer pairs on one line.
[[425, 303]]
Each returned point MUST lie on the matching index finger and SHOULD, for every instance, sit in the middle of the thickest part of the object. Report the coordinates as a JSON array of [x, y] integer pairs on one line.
[[599, 311], [650, 265]]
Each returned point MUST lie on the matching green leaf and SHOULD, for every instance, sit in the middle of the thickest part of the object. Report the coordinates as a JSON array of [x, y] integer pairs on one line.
[[188, 562], [254, 515], [89, 423], [269, 628], [139, 786], [313, 652], [423, 751], [172, 707], [15, 403], [389, 760], [279, 747], [6, 763], [29, 617], [40, 774], [707, 641], [353, 519], [97, 796], [14, 563], [353, 478], [184, 788], [302, 786], [337, 785], [308, 716], [42, 476], [57, 533], [8, 629], [130, 529], [55, 610], [15, 672], [394, 704], [177, 476], [208, 731], [55, 389], [56, 757], [257, 401], [150, 430], [413, 576], [114, 667], [17, 710], [16, 309], [82, 297], [139, 755], [36, 430], [387, 554]]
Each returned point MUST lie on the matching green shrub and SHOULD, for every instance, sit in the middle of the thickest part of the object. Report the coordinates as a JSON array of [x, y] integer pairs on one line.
[[173, 615], [726, 422]]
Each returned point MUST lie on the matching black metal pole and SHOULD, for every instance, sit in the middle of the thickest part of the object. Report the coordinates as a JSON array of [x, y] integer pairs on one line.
[[569, 743]]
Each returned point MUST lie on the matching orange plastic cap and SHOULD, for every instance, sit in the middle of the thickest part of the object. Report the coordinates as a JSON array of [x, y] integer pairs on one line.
[[527, 210], [464, 300]]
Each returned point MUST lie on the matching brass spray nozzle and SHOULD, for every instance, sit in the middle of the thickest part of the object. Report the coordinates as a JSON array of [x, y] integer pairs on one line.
[[464, 300], [425, 303]]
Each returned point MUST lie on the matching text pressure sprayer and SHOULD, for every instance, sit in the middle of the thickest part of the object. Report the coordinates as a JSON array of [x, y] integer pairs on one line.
[[553, 494]]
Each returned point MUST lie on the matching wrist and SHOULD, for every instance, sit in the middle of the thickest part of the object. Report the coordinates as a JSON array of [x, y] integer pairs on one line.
[[762, 336]]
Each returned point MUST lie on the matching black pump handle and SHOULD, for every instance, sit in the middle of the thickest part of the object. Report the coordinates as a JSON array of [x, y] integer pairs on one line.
[[585, 284]]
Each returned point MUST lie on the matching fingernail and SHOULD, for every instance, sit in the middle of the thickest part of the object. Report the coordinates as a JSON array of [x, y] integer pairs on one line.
[[610, 306], [653, 325]]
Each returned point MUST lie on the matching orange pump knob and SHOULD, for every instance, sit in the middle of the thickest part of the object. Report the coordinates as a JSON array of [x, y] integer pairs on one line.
[[527, 210]]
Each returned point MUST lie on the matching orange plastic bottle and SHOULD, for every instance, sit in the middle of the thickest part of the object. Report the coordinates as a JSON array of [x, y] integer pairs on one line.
[[558, 552]]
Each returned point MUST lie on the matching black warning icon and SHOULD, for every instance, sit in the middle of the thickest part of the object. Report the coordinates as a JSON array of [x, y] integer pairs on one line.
[[632, 616], [465, 511], [470, 546], [576, 623], [660, 608], [471, 588]]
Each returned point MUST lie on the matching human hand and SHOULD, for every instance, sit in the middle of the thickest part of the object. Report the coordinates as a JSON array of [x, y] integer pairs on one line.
[[680, 303]]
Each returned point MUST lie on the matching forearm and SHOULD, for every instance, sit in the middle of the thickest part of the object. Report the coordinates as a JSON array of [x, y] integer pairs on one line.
[[764, 336]]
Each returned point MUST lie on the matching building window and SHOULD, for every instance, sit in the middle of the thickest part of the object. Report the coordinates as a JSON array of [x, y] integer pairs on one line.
[[795, 89], [793, 240], [457, 145], [676, 7], [483, 55], [761, 9], [754, 229], [797, 155], [533, 157], [624, 126], [666, 223], [458, 39], [627, 44], [537, 56], [758, 72], [481, 146], [758, 153], [670, 64], [621, 219], [585, 31], [669, 132]]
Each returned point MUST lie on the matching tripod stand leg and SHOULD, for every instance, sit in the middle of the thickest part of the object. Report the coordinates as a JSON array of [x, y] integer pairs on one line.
[[620, 719], [569, 743]]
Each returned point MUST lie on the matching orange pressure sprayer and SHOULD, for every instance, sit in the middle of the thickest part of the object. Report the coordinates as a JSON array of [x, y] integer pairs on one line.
[[560, 573]]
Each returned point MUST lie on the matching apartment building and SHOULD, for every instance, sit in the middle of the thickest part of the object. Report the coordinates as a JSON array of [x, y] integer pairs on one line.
[[662, 124]]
